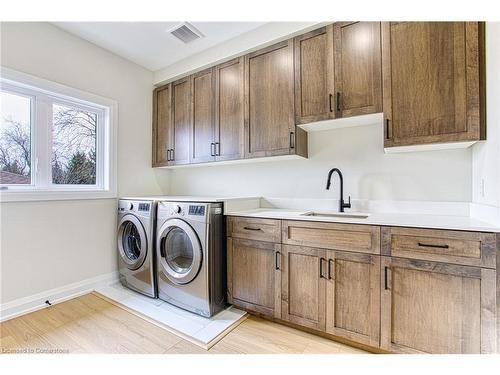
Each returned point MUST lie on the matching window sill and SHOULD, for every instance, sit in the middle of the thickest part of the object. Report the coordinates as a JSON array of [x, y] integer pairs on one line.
[[54, 195]]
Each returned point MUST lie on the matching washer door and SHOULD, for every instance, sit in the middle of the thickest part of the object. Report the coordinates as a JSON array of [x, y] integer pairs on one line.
[[180, 251], [132, 243]]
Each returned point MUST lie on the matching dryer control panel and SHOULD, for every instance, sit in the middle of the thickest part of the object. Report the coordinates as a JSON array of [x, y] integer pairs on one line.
[[197, 210]]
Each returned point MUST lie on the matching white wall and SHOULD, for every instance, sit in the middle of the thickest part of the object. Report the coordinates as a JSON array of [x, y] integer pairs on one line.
[[358, 152], [50, 244], [486, 155]]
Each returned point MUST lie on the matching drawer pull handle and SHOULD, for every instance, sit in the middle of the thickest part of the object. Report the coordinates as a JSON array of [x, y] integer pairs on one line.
[[277, 260], [255, 229], [430, 245]]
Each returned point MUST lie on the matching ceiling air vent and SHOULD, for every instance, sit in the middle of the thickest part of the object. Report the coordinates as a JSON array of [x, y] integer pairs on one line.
[[186, 32]]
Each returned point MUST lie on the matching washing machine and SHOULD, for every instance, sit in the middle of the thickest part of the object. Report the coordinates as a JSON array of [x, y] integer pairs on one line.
[[136, 257], [190, 256]]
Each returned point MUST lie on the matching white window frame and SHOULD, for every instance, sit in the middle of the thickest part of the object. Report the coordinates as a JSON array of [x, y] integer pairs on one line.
[[44, 94]]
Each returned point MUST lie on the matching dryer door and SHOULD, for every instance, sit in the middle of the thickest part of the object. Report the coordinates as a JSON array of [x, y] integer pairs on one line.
[[180, 251], [132, 243]]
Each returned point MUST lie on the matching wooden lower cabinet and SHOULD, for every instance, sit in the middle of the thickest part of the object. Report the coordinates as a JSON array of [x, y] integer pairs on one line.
[[353, 296], [303, 286], [430, 307], [384, 302], [254, 276]]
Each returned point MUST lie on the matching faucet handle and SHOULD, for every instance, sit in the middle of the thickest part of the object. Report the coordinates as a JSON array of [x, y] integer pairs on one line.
[[347, 205]]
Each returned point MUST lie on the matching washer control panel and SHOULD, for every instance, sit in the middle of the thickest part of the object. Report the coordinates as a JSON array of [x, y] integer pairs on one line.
[[197, 210]]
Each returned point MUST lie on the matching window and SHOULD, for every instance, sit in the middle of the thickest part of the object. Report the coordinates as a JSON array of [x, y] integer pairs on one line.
[[15, 139], [55, 142]]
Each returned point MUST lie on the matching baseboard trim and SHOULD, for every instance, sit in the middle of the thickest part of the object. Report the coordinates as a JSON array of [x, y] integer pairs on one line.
[[36, 302]]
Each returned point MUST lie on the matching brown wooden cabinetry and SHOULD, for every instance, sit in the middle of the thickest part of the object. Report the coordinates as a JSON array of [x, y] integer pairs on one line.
[[430, 307], [181, 119], [314, 76], [254, 276], [353, 296], [269, 108], [203, 107], [431, 291], [432, 82], [229, 110], [358, 70], [162, 125], [338, 72], [303, 286]]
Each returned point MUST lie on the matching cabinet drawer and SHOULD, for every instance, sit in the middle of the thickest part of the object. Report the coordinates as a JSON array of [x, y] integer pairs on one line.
[[254, 228], [458, 247], [346, 237]]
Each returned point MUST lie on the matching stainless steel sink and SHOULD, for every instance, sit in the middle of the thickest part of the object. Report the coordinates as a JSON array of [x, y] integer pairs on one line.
[[346, 215]]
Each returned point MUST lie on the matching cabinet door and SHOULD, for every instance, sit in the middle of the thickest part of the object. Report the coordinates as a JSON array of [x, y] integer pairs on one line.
[[229, 114], [162, 125], [358, 70], [432, 83], [437, 308], [303, 286], [353, 296], [181, 117], [202, 129], [254, 276], [269, 108], [314, 76]]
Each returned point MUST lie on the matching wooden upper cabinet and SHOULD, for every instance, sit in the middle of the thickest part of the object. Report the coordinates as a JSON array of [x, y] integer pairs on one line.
[[254, 276], [429, 307], [229, 113], [358, 70], [432, 82], [203, 107], [353, 296], [269, 108], [304, 286], [181, 118], [162, 125], [314, 76]]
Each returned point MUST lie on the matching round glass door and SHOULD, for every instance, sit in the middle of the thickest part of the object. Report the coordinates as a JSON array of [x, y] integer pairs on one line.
[[180, 251], [132, 241]]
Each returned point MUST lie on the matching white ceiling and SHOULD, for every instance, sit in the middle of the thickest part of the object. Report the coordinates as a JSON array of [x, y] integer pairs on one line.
[[149, 44]]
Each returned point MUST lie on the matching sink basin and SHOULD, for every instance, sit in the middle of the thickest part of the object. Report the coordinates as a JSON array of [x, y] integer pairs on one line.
[[346, 215]]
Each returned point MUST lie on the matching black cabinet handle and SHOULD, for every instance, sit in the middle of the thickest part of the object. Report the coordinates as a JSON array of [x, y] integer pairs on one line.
[[277, 262], [217, 149], [321, 267], [386, 271], [331, 99], [338, 101], [431, 245], [169, 154], [292, 140], [172, 155], [212, 149], [254, 229], [387, 136], [330, 261]]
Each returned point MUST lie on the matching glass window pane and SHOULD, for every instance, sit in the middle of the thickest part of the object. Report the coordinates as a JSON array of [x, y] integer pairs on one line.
[[74, 146], [15, 139]]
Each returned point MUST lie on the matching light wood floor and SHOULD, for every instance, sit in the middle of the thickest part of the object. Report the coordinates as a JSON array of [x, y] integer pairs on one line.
[[89, 324]]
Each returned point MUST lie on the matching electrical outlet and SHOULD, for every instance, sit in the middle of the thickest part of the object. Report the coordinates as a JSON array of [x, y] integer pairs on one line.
[[482, 189]]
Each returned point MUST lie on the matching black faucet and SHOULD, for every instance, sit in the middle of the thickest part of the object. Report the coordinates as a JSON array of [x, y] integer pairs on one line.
[[342, 204]]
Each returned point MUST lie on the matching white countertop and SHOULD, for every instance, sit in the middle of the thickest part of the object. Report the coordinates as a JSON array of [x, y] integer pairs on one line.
[[384, 219]]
